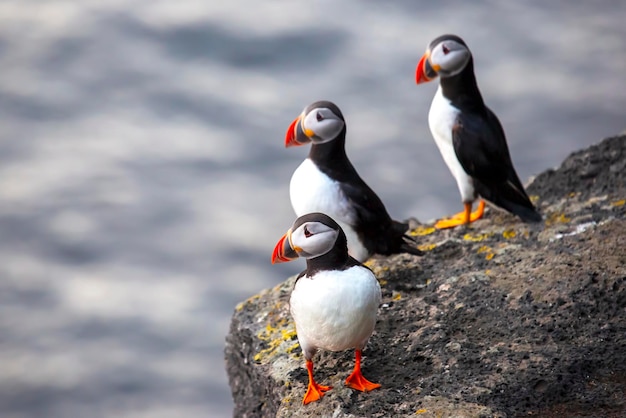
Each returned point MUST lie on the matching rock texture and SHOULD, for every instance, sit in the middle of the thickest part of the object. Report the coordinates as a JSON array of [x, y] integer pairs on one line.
[[502, 319]]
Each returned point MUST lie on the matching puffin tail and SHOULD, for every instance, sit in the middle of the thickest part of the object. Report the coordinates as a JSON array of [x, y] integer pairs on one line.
[[525, 213], [408, 243], [512, 197], [525, 210], [410, 249]]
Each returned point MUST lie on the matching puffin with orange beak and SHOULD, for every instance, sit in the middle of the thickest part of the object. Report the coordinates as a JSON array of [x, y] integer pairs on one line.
[[334, 302], [470, 136], [327, 182]]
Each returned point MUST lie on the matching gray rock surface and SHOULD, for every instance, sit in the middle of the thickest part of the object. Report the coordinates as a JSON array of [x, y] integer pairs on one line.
[[501, 319]]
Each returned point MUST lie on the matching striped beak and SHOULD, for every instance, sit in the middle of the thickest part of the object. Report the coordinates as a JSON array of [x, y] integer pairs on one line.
[[283, 251], [425, 72], [295, 135]]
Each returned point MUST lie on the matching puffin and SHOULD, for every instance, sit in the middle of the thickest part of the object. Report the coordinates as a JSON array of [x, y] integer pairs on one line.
[[334, 302], [470, 136], [327, 182]]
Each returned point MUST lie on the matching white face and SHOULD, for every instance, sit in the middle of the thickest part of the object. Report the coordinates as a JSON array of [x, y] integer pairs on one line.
[[322, 125], [313, 239], [450, 56]]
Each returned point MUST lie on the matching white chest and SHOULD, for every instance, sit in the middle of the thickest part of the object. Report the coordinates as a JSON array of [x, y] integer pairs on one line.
[[335, 310], [441, 120], [311, 190]]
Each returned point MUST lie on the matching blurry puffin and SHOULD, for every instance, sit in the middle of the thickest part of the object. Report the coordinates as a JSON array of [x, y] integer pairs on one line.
[[469, 135], [334, 302], [327, 182]]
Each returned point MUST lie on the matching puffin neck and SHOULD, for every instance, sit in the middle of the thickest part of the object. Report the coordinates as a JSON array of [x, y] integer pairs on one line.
[[462, 89], [331, 154], [335, 259]]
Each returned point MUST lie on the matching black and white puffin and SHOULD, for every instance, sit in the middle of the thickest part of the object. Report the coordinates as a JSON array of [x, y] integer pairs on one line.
[[469, 135], [334, 302], [327, 182]]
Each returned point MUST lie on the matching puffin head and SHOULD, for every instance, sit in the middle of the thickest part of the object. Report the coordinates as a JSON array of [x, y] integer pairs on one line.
[[318, 123], [312, 235], [446, 56]]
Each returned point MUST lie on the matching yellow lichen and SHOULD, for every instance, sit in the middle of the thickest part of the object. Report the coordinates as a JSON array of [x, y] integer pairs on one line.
[[421, 411], [619, 203], [421, 231], [288, 334], [534, 198], [240, 306], [274, 335], [382, 282], [476, 237], [375, 268], [292, 348], [273, 345], [557, 218], [488, 250], [397, 296], [509, 233], [427, 247], [267, 333]]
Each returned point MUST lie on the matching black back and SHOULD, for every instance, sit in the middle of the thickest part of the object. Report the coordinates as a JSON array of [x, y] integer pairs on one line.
[[481, 148], [377, 231]]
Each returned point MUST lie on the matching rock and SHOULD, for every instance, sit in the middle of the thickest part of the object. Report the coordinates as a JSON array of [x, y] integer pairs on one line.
[[502, 319]]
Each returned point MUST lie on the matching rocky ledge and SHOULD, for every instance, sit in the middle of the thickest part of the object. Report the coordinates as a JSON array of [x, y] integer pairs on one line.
[[502, 319]]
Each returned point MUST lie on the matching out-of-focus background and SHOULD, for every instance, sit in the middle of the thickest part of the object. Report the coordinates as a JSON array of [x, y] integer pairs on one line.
[[144, 182]]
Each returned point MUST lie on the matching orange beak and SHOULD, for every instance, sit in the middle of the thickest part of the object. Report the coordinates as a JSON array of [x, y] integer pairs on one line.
[[283, 251], [290, 137], [424, 72], [295, 136]]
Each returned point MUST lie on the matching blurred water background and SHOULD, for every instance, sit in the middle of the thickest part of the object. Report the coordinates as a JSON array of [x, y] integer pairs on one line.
[[144, 182]]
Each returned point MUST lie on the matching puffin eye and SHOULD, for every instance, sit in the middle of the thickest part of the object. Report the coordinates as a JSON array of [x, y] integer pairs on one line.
[[445, 49], [307, 233], [319, 117]]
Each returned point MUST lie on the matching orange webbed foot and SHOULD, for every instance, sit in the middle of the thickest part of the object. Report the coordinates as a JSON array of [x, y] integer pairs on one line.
[[356, 379], [462, 218], [449, 223], [315, 391], [358, 382]]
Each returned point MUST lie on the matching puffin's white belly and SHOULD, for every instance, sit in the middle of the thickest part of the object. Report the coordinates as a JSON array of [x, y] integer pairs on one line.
[[335, 310], [441, 119], [310, 190]]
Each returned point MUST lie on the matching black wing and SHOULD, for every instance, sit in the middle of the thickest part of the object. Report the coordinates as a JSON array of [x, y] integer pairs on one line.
[[480, 145], [379, 233]]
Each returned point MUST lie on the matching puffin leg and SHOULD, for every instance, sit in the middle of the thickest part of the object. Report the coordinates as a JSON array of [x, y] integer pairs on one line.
[[315, 390], [356, 379], [463, 218], [479, 212]]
